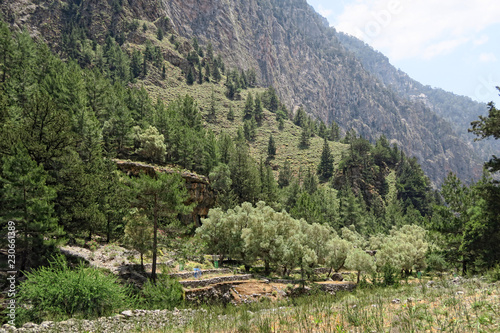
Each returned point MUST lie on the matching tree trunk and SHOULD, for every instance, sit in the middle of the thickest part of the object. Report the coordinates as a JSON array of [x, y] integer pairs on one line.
[[155, 241], [359, 274], [266, 267]]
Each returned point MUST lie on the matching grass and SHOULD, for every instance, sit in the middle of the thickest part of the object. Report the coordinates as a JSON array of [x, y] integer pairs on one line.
[[473, 306]]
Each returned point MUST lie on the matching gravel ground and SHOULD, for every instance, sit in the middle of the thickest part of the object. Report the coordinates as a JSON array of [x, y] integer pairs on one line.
[[127, 321]]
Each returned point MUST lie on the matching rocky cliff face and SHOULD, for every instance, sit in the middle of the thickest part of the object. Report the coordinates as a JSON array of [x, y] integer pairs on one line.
[[198, 187], [459, 111], [291, 48]]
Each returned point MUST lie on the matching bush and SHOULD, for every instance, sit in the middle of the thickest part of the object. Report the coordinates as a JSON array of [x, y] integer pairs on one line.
[[58, 292], [435, 262], [493, 274], [167, 293], [390, 274]]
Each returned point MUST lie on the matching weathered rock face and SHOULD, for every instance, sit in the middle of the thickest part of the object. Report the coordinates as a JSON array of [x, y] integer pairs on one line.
[[199, 189], [292, 49]]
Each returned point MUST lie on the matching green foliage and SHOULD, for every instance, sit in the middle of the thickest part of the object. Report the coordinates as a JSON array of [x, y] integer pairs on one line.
[[325, 167], [138, 233], [487, 127], [26, 199], [271, 147], [161, 199], [190, 77], [285, 175], [57, 292], [360, 261], [166, 293], [152, 145]]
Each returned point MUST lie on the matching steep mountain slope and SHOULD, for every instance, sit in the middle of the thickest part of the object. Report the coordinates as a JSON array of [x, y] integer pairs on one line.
[[294, 51], [460, 111], [290, 47]]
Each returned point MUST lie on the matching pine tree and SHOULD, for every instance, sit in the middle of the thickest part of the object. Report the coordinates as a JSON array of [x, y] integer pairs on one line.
[[230, 114], [190, 77], [249, 107], [213, 109], [200, 74], [250, 129], [258, 112], [216, 73], [300, 118], [304, 138], [210, 51], [325, 167], [27, 200], [310, 184], [334, 134], [163, 74], [162, 200], [285, 176], [160, 33], [271, 148], [139, 233], [207, 72]]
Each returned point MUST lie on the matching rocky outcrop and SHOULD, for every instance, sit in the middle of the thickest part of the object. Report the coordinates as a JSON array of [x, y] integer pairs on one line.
[[199, 189]]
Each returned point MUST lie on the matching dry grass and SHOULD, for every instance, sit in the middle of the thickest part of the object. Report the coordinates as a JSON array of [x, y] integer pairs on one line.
[[469, 306]]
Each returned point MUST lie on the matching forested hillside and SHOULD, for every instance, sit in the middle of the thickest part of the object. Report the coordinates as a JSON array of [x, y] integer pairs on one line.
[[184, 131], [287, 45]]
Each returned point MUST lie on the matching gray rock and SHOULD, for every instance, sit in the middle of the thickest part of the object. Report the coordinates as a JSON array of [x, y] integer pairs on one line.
[[127, 313]]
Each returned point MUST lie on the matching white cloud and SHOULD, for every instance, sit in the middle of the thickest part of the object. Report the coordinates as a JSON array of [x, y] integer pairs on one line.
[[481, 40], [424, 28], [487, 57], [324, 11]]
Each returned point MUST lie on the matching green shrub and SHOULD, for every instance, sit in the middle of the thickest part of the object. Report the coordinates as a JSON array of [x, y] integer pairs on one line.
[[493, 274], [390, 274], [436, 262], [166, 294], [58, 292]]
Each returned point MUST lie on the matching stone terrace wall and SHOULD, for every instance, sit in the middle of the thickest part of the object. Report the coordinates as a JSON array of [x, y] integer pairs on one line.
[[185, 275], [215, 280]]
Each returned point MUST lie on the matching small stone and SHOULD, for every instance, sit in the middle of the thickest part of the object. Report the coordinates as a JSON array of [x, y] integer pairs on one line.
[[127, 313], [396, 301], [460, 292], [410, 300], [29, 325]]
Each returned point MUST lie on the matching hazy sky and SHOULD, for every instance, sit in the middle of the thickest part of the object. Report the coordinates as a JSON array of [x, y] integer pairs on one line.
[[450, 44]]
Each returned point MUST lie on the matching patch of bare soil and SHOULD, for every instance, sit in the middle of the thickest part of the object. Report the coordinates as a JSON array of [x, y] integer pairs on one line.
[[254, 290]]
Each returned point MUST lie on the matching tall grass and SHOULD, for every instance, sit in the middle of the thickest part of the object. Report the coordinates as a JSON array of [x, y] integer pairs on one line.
[[57, 292]]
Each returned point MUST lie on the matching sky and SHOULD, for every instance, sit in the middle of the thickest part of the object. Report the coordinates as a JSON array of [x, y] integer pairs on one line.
[[448, 44]]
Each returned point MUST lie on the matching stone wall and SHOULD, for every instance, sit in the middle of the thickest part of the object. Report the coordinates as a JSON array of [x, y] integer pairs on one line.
[[186, 275], [215, 280], [333, 287]]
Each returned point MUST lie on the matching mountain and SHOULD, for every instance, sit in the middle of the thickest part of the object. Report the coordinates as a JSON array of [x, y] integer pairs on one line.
[[459, 111], [290, 47]]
